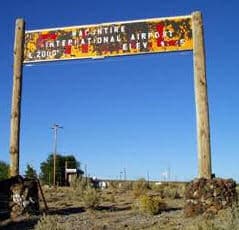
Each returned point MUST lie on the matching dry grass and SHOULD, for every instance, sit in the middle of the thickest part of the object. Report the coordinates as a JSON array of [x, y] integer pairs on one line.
[[171, 191], [69, 211], [91, 198], [227, 219], [51, 223], [140, 187]]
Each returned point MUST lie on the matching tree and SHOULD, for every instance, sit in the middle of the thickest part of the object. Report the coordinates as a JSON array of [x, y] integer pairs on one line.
[[46, 175], [30, 172], [4, 170]]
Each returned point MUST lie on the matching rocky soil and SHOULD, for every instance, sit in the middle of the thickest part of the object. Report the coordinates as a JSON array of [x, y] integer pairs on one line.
[[116, 211]]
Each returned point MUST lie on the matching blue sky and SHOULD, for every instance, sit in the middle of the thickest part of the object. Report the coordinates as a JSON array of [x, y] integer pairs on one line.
[[133, 112]]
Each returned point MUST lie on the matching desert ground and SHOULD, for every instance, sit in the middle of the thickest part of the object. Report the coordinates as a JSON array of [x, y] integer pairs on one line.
[[120, 206]]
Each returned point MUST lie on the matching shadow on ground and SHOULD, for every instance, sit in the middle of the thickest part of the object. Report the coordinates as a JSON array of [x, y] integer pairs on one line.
[[26, 223], [20, 224], [171, 209], [66, 211], [113, 208]]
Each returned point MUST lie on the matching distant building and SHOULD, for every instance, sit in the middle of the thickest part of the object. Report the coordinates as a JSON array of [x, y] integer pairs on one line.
[[72, 174]]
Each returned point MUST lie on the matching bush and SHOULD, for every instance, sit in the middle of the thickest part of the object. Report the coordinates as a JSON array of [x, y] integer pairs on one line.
[[169, 190], [140, 187], [79, 185], [150, 204], [91, 198]]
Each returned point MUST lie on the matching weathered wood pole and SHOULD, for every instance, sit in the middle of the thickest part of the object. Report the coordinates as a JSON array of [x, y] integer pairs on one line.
[[16, 97], [201, 98]]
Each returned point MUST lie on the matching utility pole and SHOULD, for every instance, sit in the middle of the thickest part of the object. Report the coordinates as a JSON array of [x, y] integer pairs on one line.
[[148, 177], [55, 128], [125, 177], [66, 177], [169, 173], [121, 175], [86, 181]]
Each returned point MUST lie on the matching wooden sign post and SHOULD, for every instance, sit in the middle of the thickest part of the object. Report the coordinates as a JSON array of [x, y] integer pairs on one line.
[[189, 36], [201, 99], [16, 97]]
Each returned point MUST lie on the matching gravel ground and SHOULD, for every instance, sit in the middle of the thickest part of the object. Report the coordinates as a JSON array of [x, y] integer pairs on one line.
[[69, 212]]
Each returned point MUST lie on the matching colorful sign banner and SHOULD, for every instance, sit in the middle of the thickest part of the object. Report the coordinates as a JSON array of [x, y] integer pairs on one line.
[[109, 39]]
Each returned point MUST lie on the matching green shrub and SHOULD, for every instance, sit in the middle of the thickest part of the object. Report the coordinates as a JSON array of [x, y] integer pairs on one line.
[[140, 187], [91, 198], [150, 204]]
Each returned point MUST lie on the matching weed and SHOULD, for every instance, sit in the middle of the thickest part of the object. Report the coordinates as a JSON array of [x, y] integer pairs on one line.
[[170, 191], [152, 205], [91, 198], [140, 187]]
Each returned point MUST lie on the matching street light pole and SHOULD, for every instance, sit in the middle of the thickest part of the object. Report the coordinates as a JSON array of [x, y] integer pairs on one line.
[[55, 128]]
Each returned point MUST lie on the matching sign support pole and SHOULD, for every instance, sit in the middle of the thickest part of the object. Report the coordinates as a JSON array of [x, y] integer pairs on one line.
[[16, 97], [200, 86], [201, 98]]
